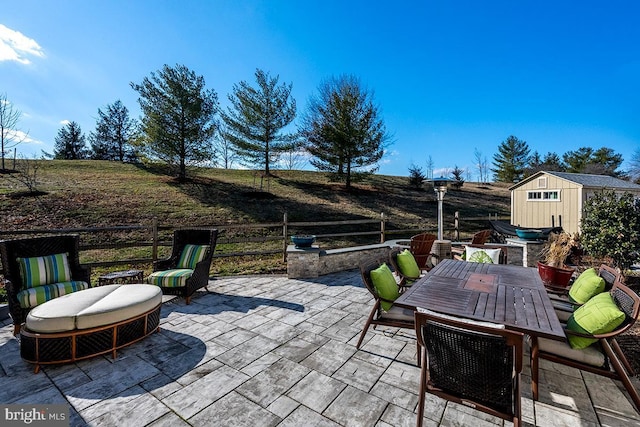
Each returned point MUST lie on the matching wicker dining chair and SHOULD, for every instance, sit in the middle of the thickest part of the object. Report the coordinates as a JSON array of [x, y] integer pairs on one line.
[[398, 316], [605, 357], [471, 363], [420, 246], [176, 279]]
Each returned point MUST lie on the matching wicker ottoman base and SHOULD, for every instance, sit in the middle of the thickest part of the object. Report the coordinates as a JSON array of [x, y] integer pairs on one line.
[[70, 346]]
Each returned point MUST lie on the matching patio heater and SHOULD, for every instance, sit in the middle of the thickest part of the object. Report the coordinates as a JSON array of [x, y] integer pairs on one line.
[[440, 187]]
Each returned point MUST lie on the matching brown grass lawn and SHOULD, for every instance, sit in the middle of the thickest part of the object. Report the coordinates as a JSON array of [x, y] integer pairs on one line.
[[99, 193]]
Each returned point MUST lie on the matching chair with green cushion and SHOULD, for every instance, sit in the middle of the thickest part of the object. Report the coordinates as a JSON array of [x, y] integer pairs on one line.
[[589, 283], [600, 320], [404, 266], [379, 281], [187, 269], [39, 269]]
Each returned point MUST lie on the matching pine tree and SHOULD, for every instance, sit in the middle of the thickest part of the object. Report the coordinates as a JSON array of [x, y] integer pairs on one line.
[[70, 143], [114, 135], [343, 129], [511, 160], [178, 117], [256, 119]]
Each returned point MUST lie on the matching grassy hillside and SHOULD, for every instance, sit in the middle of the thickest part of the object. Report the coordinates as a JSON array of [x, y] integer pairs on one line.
[[100, 193]]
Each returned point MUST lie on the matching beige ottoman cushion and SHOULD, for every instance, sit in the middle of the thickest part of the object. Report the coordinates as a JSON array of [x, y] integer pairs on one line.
[[93, 307], [59, 314], [125, 302]]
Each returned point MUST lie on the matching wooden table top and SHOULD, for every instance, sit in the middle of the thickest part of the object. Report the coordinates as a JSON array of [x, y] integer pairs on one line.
[[506, 294]]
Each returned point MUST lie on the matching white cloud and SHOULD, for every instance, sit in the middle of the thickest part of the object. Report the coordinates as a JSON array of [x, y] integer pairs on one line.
[[20, 137], [64, 122], [15, 46], [26, 139]]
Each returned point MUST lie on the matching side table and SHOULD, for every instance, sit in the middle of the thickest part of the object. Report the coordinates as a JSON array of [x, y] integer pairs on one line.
[[127, 276]]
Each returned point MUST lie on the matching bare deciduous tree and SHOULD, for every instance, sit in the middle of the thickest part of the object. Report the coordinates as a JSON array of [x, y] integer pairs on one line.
[[10, 135], [430, 166], [224, 154], [482, 165]]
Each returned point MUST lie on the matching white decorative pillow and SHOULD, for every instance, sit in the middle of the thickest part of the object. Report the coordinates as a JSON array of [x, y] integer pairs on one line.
[[478, 254]]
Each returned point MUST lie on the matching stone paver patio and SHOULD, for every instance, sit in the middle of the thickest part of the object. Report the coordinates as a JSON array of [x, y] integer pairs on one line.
[[272, 351]]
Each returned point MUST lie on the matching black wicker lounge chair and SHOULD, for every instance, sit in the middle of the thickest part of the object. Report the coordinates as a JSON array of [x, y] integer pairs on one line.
[[12, 250], [181, 274]]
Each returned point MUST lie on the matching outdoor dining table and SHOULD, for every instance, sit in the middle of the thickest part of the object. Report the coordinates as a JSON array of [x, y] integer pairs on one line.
[[510, 295]]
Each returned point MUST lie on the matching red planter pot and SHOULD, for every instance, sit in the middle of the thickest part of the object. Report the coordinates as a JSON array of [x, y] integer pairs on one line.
[[554, 276]]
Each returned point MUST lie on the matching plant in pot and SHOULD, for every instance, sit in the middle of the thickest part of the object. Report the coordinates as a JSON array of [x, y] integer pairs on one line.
[[553, 270]]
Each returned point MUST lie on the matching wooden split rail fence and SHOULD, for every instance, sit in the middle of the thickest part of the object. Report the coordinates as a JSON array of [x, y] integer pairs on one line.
[[143, 244]]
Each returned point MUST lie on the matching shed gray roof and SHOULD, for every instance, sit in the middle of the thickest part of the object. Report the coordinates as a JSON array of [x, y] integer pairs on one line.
[[586, 180], [596, 181]]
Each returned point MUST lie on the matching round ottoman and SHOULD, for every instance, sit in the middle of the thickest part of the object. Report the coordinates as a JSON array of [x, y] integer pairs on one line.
[[90, 322]]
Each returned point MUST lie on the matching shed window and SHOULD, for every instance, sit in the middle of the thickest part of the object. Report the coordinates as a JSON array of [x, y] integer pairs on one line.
[[543, 195]]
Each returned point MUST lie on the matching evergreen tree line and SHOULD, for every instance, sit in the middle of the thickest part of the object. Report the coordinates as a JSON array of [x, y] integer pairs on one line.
[[515, 161], [182, 124]]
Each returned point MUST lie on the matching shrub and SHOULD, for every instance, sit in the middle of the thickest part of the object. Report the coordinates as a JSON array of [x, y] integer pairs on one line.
[[416, 176], [611, 227]]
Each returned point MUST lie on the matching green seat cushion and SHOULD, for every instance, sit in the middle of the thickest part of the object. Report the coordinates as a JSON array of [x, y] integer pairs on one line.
[[407, 264], [31, 297], [599, 315], [44, 270], [170, 278], [191, 255], [586, 286], [385, 285]]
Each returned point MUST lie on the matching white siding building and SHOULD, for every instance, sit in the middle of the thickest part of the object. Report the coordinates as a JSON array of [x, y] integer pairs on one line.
[[552, 199]]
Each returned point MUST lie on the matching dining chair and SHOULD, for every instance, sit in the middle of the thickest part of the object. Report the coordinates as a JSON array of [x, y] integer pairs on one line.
[[476, 364], [605, 357], [420, 246], [396, 315], [501, 255], [407, 274], [479, 238], [564, 306]]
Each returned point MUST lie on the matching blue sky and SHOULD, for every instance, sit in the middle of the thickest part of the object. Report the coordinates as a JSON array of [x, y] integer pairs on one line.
[[450, 77]]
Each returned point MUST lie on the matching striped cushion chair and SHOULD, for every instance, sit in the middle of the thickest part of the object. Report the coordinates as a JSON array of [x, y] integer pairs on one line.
[[187, 269], [39, 269]]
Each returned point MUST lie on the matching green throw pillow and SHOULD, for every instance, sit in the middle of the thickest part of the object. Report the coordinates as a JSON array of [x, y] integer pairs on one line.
[[599, 315], [407, 264], [44, 270], [586, 286], [192, 255], [385, 285]]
